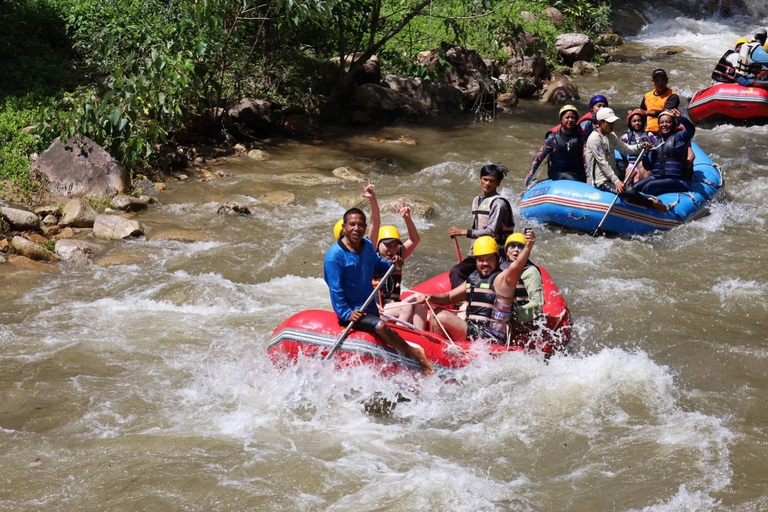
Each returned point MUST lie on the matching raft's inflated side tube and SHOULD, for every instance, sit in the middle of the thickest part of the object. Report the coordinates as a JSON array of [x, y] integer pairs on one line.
[[312, 333], [581, 207], [729, 104]]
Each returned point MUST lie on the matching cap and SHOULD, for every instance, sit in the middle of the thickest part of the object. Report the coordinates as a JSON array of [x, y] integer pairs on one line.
[[569, 108], [658, 72], [606, 114], [741, 40], [761, 32]]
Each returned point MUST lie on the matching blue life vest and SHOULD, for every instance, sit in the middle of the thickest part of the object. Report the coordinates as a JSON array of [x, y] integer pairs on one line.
[[669, 163]]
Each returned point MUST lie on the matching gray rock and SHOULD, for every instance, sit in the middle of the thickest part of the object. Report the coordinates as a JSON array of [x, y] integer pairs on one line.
[[78, 213], [126, 203], [114, 227], [348, 174], [555, 16], [420, 209], [669, 50], [560, 90], [527, 15], [583, 68], [43, 211], [254, 114], [278, 197], [70, 249], [2, 259], [310, 179], [533, 67], [80, 168], [50, 220], [32, 250], [433, 97], [506, 102], [386, 104], [20, 219], [572, 47], [233, 208], [258, 154], [524, 87]]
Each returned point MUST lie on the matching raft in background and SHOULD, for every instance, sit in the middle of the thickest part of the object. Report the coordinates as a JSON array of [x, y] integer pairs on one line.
[[579, 206], [729, 104], [312, 333]]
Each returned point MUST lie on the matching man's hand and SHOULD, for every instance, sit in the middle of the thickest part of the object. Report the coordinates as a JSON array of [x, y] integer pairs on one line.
[[454, 232], [368, 192], [619, 187], [396, 260], [646, 145], [356, 316], [418, 298], [530, 237], [405, 212]]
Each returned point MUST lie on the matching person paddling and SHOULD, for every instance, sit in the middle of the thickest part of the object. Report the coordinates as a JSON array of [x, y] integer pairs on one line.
[[725, 70], [601, 160], [348, 271], [752, 60]]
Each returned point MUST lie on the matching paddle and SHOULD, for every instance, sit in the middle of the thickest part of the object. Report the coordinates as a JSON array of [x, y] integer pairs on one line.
[[458, 250], [616, 198], [363, 308]]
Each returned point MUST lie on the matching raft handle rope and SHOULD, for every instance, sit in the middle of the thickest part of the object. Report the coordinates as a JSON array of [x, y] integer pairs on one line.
[[710, 183], [451, 344], [570, 215]]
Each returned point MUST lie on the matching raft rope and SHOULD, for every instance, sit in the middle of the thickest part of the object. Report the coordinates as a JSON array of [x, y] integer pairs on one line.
[[451, 344]]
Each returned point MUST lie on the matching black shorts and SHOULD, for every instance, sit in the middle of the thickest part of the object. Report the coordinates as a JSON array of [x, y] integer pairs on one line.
[[366, 324]]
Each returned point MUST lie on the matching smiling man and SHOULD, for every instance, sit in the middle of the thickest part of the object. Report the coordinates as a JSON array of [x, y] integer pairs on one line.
[[348, 271], [489, 292]]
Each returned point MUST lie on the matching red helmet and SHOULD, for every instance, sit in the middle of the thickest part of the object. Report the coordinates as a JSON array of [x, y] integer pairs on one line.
[[636, 112]]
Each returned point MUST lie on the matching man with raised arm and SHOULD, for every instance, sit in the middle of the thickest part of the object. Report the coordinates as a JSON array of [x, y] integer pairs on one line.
[[348, 271], [489, 292]]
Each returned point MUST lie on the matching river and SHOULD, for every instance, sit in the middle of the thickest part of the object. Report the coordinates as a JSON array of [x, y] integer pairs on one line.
[[147, 386]]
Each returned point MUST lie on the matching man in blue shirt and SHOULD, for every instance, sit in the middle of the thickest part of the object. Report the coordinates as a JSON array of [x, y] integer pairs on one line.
[[348, 271]]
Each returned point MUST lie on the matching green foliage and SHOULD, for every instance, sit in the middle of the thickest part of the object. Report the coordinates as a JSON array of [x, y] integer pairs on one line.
[[16, 145], [590, 16]]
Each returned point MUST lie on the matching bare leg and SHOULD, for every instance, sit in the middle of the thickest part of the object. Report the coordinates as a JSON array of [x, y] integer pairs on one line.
[[419, 316], [394, 340], [456, 327]]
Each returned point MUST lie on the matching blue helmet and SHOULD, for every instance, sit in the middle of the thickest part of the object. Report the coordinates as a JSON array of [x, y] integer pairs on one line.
[[596, 99]]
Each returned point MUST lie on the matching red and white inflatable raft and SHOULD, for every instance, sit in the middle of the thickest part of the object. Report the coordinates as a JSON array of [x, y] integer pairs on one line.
[[729, 104], [313, 333]]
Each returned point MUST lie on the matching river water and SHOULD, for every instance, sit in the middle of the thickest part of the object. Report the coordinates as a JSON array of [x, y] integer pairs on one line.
[[146, 386]]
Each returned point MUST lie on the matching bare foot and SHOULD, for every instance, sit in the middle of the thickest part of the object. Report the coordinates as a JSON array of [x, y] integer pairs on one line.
[[659, 206], [418, 354]]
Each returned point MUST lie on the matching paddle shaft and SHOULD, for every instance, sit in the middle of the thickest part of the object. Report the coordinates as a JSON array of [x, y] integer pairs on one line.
[[616, 198], [363, 308], [458, 250]]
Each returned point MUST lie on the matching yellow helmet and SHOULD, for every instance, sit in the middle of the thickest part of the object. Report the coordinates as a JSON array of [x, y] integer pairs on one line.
[[741, 40], [485, 245], [568, 108], [515, 238], [337, 229], [389, 233]]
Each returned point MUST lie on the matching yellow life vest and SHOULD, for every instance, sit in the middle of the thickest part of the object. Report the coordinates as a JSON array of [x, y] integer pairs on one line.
[[654, 101]]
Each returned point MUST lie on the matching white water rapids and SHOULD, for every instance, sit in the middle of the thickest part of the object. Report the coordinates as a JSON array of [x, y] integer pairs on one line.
[[147, 386]]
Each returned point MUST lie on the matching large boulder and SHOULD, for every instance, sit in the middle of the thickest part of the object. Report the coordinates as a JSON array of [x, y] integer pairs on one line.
[[127, 203], [386, 104], [555, 16], [254, 114], [369, 73], [114, 227], [533, 67], [468, 73], [70, 249], [572, 47], [669, 50], [506, 102], [78, 213], [583, 68], [560, 90], [437, 98], [79, 168], [20, 218], [31, 250]]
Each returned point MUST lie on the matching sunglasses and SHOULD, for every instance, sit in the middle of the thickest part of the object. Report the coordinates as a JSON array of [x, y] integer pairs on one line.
[[516, 245]]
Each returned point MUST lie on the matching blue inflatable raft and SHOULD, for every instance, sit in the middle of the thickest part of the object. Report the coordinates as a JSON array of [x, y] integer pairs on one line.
[[580, 206]]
